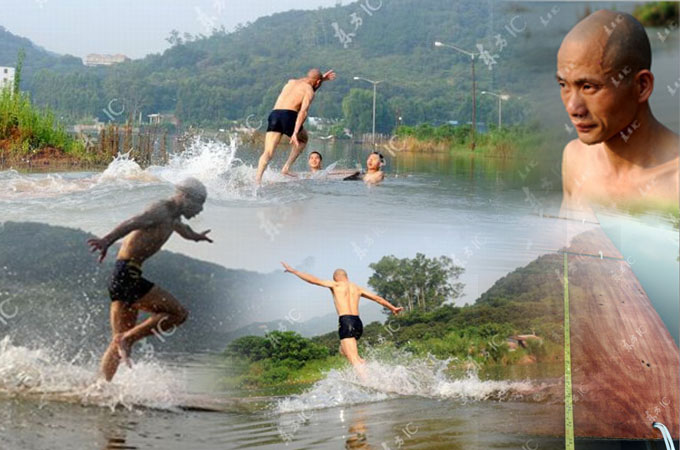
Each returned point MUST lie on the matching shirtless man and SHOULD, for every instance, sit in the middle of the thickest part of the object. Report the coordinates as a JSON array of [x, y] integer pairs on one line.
[[290, 112], [144, 235], [374, 173], [346, 298], [623, 153], [315, 163]]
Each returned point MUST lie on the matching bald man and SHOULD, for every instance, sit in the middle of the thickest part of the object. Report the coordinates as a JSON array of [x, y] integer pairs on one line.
[[144, 235], [623, 154], [346, 297], [289, 114]]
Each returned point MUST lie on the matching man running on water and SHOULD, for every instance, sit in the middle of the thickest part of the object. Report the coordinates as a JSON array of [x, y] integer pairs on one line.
[[346, 298], [290, 112], [144, 235]]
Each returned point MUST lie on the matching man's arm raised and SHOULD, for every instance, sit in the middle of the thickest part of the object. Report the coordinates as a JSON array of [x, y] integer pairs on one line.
[[376, 298], [307, 277], [155, 214]]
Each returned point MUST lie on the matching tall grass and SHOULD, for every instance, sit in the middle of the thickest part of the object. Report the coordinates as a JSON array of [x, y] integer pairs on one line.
[[25, 129], [502, 142]]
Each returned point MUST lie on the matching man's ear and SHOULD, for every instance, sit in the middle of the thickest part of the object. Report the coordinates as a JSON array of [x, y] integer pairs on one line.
[[645, 84]]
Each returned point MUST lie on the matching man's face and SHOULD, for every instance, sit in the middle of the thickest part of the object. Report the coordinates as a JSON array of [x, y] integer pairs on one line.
[[191, 206], [600, 104], [314, 162], [373, 162]]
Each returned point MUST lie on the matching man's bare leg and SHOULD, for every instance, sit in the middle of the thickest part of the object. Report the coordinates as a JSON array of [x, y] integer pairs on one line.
[[123, 318], [166, 314], [295, 151], [349, 348], [271, 141]]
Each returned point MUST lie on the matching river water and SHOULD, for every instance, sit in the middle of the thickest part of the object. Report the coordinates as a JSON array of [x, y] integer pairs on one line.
[[490, 215]]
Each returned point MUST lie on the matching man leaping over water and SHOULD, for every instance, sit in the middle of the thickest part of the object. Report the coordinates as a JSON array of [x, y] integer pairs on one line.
[[346, 298], [290, 112], [144, 235]]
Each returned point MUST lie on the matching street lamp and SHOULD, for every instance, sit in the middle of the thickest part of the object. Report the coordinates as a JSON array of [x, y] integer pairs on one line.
[[474, 85], [375, 84], [500, 97]]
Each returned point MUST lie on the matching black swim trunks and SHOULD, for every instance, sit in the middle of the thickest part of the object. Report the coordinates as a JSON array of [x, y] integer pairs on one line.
[[126, 283], [282, 121], [350, 327]]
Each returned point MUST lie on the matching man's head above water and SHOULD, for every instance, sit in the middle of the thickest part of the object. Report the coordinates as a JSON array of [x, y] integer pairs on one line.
[[603, 69], [315, 159]]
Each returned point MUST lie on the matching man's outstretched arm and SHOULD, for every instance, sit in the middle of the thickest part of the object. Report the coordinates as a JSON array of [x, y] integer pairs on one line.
[[186, 232], [155, 214], [376, 298], [307, 277]]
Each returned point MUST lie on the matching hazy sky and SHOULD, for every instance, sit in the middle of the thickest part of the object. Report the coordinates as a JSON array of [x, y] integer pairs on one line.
[[132, 27]]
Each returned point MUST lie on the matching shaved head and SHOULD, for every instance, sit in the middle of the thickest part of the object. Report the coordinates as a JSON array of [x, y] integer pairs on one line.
[[314, 74], [339, 275], [617, 39]]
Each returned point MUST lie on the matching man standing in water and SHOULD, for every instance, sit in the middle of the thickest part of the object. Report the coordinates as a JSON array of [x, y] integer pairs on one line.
[[144, 235], [623, 153], [290, 112], [346, 297]]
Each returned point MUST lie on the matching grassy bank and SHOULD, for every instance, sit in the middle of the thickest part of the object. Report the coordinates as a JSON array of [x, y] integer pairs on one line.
[[503, 142], [29, 133]]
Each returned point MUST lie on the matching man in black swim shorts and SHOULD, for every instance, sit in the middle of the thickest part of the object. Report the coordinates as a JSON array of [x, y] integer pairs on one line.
[[290, 112], [346, 297], [144, 235]]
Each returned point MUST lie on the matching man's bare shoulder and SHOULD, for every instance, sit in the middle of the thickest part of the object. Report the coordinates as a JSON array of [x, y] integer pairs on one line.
[[161, 210]]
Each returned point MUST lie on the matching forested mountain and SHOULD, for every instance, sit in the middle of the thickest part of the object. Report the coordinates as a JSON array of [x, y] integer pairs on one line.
[[209, 80]]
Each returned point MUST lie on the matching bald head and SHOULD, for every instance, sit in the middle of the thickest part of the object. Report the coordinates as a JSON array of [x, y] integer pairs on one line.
[[616, 39], [314, 75], [339, 275]]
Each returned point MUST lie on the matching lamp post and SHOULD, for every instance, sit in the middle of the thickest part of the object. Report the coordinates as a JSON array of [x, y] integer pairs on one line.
[[500, 97], [474, 85], [375, 84]]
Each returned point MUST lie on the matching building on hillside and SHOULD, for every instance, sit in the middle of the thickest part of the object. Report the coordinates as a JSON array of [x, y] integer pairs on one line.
[[6, 76], [94, 59]]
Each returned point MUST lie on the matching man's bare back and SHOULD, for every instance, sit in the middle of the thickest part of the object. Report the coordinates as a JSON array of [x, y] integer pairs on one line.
[[346, 297], [293, 93]]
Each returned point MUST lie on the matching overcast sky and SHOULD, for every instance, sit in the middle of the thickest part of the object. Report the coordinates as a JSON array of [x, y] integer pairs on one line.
[[132, 27]]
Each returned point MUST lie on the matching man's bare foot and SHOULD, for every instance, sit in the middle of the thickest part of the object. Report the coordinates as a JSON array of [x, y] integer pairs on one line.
[[123, 347], [289, 174]]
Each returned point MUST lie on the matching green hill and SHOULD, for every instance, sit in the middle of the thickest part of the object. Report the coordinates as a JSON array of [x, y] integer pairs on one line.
[[208, 81]]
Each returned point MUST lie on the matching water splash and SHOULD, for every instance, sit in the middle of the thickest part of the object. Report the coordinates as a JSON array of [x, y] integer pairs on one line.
[[42, 374], [407, 376], [213, 162]]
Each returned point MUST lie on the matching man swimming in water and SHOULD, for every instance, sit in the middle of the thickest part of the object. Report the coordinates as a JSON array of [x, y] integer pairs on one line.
[[374, 173], [346, 297], [144, 235], [289, 114], [315, 163], [623, 153]]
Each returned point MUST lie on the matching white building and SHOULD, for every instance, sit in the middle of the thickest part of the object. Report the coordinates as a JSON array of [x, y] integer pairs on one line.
[[94, 59], [6, 76]]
